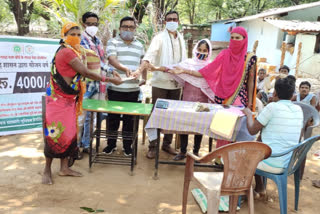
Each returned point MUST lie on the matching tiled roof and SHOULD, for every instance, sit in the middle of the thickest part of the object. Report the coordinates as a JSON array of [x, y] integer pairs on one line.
[[276, 11], [295, 25]]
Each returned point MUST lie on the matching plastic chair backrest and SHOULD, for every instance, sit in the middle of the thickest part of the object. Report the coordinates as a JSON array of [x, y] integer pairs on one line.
[[309, 112], [299, 153], [240, 162]]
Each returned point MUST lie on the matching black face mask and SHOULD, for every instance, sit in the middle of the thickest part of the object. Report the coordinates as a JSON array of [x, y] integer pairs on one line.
[[201, 56]]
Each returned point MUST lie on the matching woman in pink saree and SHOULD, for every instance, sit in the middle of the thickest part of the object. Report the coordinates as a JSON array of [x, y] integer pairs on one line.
[[231, 76]]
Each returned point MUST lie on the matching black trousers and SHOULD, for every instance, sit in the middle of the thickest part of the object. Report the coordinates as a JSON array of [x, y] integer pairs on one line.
[[165, 94], [184, 143], [114, 119]]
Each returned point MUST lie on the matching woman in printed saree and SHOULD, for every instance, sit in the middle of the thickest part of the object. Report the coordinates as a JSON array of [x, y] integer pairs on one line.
[[64, 101], [232, 74]]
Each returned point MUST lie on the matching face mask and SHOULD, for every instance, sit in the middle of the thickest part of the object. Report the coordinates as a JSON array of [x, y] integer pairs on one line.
[[127, 35], [74, 41], [201, 56], [172, 26], [92, 30], [236, 46]]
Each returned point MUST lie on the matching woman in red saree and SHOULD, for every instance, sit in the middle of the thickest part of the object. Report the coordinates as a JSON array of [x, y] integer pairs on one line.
[[232, 74], [64, 101]]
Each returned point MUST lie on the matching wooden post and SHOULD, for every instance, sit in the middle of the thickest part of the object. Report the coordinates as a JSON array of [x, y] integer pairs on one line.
[[283, 53], [114, 33], [255, 46], [190, 48], [298, 59]]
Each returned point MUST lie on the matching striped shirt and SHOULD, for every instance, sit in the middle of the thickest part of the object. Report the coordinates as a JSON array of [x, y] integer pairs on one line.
[[129, 55], [282, 123]]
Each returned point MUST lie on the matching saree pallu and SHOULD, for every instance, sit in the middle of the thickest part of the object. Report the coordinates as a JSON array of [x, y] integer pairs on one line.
[[61, 128]]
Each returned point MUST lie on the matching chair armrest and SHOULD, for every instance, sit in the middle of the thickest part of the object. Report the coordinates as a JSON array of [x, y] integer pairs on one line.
[[194, 157], [205, 159]]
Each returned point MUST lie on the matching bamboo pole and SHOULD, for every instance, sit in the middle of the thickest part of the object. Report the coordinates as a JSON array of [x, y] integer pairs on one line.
[[283, 53], [298, 59], [255, 46]]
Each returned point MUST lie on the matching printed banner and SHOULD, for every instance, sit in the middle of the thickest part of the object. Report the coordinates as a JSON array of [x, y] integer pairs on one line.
[[25, 65]]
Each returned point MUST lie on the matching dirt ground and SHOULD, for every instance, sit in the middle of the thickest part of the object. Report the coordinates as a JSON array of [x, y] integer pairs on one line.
[[112, 189]]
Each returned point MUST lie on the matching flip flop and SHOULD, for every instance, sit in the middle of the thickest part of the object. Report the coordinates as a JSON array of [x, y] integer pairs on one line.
[[316, 183]]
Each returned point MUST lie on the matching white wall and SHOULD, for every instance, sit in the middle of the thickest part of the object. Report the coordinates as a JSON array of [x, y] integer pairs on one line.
[[267, 35], [309, 61], [270, 39]]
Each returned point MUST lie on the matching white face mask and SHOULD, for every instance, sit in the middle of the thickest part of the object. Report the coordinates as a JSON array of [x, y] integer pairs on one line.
[[172, 26], [92, 30]]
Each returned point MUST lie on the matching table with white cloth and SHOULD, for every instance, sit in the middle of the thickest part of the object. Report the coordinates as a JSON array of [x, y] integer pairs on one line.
[[181, 118]]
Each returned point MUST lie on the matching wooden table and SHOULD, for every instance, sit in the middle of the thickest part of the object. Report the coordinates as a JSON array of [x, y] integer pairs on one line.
[[114, 107]]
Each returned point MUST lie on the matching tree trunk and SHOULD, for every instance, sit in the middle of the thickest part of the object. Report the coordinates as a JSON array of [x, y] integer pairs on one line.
[[22, 14], [140, 10]]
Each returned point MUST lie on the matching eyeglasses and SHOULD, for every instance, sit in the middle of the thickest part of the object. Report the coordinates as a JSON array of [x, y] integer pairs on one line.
[[172, 19], [92, 24], [131, 28]]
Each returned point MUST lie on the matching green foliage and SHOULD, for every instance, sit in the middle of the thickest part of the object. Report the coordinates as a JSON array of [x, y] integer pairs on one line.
[[149, 13], [6, 17], [200, 12]]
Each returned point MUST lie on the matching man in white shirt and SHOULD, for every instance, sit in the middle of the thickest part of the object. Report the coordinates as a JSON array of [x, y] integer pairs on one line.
[[261, 77], [166, 48], [280, 123]]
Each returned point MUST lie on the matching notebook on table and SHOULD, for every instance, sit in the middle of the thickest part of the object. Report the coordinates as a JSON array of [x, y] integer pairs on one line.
[[224, 122]]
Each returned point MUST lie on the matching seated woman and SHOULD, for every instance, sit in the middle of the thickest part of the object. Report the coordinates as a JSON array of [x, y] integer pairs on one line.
[[231, 76], [195, 89], [64, 100]]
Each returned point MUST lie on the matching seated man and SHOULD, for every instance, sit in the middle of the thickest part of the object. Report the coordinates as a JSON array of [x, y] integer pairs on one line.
[[261, 78], [280, 123], [304, 94], [266, 93]]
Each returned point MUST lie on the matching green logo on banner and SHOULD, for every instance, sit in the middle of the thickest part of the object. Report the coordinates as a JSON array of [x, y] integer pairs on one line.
[[17, 48]]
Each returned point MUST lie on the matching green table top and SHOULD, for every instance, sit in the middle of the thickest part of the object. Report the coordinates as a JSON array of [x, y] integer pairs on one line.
[[116, 107]]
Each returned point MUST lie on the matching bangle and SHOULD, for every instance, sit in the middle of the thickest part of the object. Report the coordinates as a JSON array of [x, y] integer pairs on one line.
[[167, 69], [103, 78]]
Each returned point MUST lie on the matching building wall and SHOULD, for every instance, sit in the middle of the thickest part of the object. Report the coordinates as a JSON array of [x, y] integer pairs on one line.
[[219, 31], [270, 39], [309, 61]]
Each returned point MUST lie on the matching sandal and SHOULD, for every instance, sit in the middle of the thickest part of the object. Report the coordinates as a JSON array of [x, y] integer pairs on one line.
[[179, 156], [70, 161]]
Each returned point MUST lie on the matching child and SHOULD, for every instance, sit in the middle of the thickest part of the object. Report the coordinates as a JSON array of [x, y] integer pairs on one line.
[[195, 89]]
